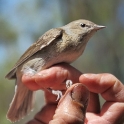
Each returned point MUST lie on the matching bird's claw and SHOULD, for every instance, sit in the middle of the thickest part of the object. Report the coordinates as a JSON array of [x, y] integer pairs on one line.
[[68, 83], [58, 93]]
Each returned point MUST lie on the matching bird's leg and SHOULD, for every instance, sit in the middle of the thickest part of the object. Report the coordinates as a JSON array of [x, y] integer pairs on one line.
[[58, 93]]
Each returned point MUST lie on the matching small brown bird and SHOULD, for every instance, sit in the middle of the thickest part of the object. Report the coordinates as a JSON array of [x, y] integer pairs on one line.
[[63, 44]]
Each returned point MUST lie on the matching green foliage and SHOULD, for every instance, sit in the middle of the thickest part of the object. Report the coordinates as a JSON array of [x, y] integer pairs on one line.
[[7, 33]]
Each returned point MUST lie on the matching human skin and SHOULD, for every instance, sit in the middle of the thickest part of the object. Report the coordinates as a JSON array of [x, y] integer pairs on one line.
[[107, 85]]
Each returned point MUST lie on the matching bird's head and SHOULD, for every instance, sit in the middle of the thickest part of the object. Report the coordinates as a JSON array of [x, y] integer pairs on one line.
[[83, 27]]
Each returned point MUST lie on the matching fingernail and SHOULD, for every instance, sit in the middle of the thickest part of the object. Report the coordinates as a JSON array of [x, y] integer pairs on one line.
[[90, 76], [80, 94]]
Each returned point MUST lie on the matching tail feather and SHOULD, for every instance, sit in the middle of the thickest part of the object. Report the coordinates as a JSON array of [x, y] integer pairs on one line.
[[21, 104]]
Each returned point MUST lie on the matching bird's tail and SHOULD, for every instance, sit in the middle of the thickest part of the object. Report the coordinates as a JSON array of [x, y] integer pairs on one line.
[[21, 104]]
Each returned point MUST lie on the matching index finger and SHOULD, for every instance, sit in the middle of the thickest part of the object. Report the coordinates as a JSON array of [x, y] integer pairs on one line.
[[110, 88]]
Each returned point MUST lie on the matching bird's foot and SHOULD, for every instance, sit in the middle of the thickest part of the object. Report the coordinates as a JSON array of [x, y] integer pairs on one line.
[[68, 83], [58, 93]]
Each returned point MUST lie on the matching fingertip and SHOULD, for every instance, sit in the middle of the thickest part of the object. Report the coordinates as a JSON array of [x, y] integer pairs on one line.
[[88, 79], [30, 83], [92, 81], [80, 94], [77, 93], [26, 79]]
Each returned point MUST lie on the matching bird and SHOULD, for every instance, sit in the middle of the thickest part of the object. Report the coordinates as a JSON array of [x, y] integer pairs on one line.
[[57, 45]]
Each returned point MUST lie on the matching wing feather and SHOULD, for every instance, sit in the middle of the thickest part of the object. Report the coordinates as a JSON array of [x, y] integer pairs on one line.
[[42, 42]]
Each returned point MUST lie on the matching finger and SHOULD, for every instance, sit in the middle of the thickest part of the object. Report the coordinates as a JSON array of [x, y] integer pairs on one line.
[[94, 103], [56, 75], [52, 77], [107, 85], [30, 82], [47, 78], [72, 106], [111, 113], [45, 115]]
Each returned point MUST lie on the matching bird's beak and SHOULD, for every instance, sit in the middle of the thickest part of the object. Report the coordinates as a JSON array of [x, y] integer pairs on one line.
[[98, 27]]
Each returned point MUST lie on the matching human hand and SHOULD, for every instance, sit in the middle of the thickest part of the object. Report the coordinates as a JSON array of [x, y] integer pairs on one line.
[[71, 108], [110, 88]]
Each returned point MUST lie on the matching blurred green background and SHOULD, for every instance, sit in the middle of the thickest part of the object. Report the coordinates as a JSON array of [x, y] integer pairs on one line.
[[23, 21]]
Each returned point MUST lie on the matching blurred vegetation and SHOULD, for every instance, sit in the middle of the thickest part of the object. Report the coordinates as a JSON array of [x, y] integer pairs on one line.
[[22, 22]]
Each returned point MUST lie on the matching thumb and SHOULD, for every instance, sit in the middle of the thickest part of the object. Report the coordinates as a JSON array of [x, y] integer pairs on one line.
[[72, 106]]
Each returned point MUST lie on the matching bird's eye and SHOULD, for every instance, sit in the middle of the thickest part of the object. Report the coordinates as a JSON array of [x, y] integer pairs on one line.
[[83, 25]]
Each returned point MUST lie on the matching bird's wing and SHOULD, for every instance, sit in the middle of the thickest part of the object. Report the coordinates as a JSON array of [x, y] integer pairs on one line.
[[42, 42]]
